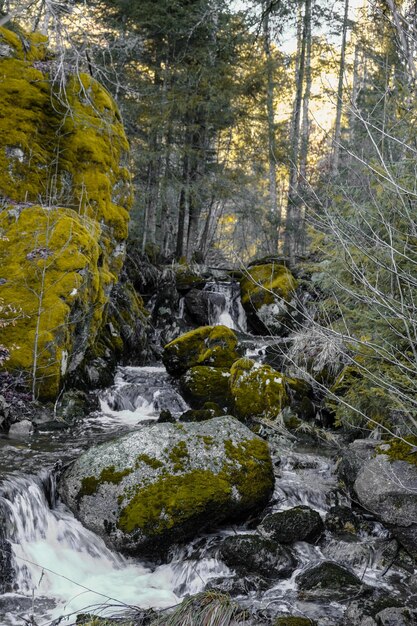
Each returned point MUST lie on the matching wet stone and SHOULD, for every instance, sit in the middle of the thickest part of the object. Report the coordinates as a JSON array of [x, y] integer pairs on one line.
[[297, 524], [327, 575], [256, 555]]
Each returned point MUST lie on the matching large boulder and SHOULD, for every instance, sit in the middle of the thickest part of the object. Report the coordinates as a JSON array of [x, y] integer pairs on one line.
[[266, 292], [215, 346], [257, 389], [387, 486], [206, 384], [64, 195], [168, 482]]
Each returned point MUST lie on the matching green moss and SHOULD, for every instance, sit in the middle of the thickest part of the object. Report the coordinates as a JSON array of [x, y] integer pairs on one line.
[[400, 449], [179, 457], [257, 390], [148, 460], [264, 283], [61, 152], [250, 456], [173, 500], [202, 384], [208, 345], [90, 484]]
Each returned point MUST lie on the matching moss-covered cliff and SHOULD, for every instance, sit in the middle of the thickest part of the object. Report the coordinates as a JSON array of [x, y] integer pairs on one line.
[[64, 201]]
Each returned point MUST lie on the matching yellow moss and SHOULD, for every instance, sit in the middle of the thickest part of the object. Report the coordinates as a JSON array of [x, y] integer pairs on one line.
[[257, 389], [67, 152], [48, 266], [207, 345], [263, 283]]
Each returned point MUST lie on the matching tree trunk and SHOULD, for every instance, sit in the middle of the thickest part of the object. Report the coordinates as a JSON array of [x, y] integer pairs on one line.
[[274, 209], [293, 205], [339, 102]]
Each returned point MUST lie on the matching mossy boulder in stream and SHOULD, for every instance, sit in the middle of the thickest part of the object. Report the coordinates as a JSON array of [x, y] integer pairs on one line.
[[168, 482], [64, 195], [266, 292], [257, 389], [206, 384], [215, 346]]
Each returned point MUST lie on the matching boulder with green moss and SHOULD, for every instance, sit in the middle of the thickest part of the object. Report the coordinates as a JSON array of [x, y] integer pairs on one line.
[[386, 485], [168, 482], [215, 346], [201, 384], [267, 292], [257, 390], [65, 194]]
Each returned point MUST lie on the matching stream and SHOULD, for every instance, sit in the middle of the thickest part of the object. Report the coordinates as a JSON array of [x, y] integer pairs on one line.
[[62, 569]]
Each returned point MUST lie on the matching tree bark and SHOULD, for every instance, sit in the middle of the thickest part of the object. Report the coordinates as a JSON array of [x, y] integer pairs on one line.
[[274, 209], [339, 101], [293, 205]]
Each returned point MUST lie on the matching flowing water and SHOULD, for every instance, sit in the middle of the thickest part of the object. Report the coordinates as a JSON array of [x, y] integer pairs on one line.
[[61, 568], [224, 305]]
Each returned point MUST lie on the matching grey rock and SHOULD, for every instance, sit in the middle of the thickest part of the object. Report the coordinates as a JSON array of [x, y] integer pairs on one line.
[[20, 429], [397, 617], [389, 490], [167, 482], [353, 458]]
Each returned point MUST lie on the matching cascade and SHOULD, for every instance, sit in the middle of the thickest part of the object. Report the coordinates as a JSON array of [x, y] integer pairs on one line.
[[224, 305]]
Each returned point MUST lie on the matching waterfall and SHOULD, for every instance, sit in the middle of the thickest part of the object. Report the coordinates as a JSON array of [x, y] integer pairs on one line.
[[64, 569], [224, 305]]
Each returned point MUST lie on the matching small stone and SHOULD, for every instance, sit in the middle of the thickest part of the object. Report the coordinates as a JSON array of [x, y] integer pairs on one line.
[[19, 429]]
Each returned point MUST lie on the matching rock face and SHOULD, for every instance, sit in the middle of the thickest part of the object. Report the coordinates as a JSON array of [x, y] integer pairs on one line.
[[168, 482], [266, 292], [297, 524], [388, 488], [65, 194], [257, 389], [215, 346]]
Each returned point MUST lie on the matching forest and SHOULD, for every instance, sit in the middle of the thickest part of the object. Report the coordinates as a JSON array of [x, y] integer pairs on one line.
[[208, 312]]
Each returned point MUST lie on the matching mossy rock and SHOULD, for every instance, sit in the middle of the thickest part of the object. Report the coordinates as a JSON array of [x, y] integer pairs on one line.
[[257, 390], [215, 346], [49, 266], [186, 279], [168, 482], [299, 523], [203, 384], [266, 292], [65, 194]]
